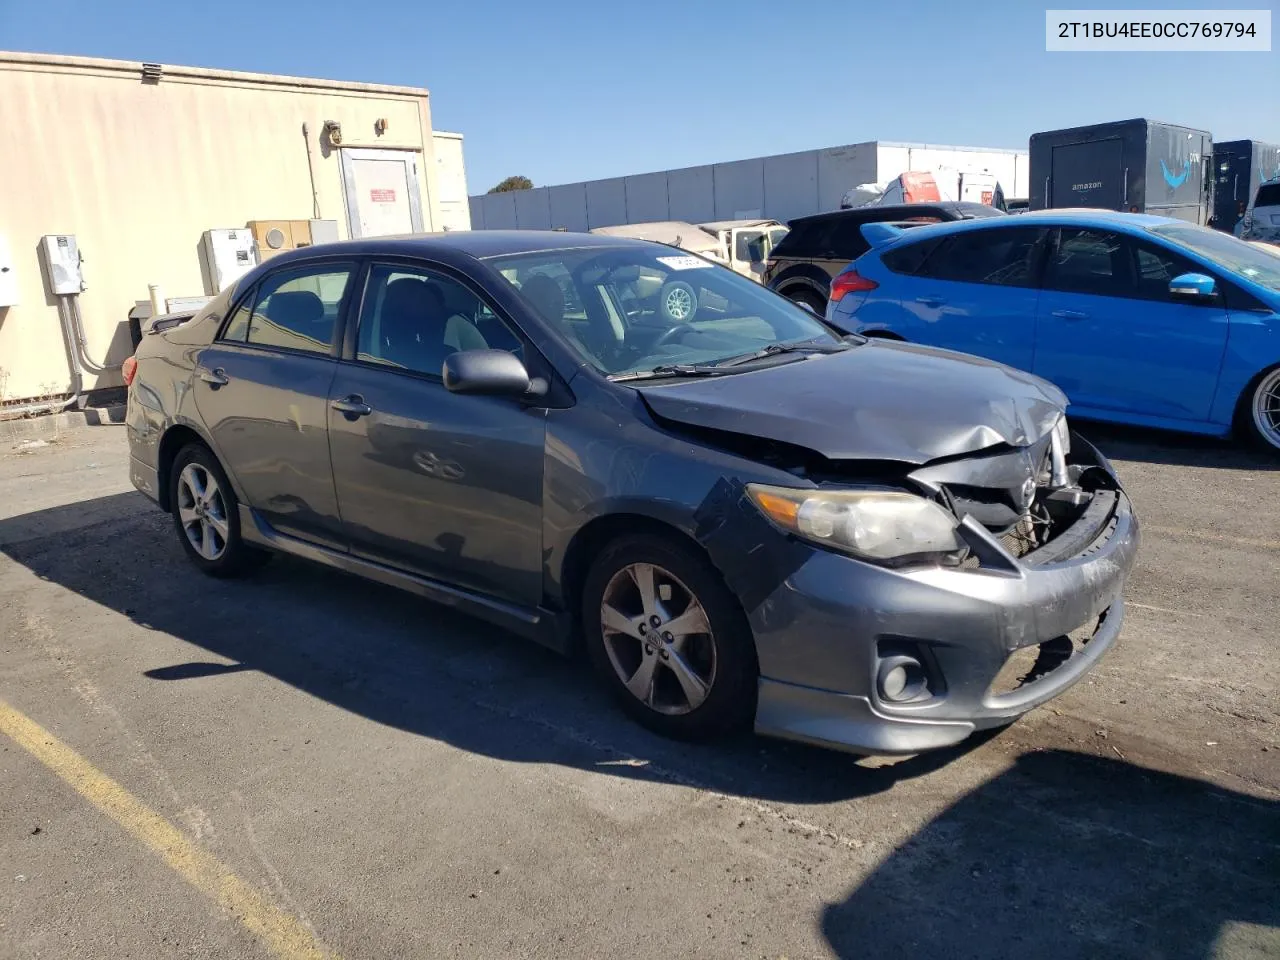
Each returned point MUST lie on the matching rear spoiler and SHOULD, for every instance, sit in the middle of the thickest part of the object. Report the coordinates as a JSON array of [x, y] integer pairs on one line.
[[880, 232]]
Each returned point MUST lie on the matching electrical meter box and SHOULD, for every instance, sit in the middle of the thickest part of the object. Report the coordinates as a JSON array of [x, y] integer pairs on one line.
[[8, 276], [62, 259], [229, 255]]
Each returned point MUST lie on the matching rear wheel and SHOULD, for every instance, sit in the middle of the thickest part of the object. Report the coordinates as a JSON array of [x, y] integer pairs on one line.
[[669, 639], [206, 515], [1262, 414], [808, 298]]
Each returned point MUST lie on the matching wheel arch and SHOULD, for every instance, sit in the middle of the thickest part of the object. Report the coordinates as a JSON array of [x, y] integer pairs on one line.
[[178, 436], [1243, 414]]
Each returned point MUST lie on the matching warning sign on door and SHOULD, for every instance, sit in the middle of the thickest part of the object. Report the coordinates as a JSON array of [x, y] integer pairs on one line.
[[382, 195]]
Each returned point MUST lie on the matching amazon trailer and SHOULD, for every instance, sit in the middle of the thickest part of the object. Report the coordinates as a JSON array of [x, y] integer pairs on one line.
[[1142, 166], [1239, 167]]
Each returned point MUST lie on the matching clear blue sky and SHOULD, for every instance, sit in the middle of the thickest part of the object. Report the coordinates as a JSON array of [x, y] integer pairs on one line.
[[564, 90]]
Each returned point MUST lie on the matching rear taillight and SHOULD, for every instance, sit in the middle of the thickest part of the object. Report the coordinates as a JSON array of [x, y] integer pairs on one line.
[[129, 370], [850, 282]]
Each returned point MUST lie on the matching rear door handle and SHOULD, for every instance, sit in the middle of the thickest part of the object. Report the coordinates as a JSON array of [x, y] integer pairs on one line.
[[1070, 315], [352, 406], [931, 301], [217, 376]]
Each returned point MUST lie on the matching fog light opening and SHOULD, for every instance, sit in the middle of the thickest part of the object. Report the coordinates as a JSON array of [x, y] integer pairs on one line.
[[902, 679]]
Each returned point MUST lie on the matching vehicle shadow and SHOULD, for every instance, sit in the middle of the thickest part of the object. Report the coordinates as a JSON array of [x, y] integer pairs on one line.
[[1069, 856], [402, 661], [1159, 446]]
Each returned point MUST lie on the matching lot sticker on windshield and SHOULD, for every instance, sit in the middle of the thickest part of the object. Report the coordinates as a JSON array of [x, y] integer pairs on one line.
[[686, 263]]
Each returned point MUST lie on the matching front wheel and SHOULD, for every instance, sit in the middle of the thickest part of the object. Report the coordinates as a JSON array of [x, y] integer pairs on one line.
[[206, 514], [1263, 418], [669, 639]]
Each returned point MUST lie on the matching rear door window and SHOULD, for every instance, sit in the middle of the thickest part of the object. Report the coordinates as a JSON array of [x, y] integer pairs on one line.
[[1098, 262], [910, 258], [996, 257], [298, 309]]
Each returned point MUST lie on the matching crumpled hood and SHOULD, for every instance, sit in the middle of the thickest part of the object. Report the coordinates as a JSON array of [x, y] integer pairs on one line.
[[876, 401]]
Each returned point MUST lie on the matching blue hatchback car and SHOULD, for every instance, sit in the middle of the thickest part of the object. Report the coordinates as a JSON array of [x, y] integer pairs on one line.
[[1139, 319]]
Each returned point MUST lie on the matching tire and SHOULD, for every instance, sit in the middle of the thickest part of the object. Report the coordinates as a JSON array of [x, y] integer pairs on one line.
[[722, 658], [677, 302], [1259, 413], [808, 298], [215, 515]]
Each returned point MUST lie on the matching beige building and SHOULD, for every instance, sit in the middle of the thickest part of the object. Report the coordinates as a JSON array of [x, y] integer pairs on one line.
[[136, 161]]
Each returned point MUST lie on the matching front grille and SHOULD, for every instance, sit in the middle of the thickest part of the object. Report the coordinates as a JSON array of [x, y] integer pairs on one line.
[[1029, 664]]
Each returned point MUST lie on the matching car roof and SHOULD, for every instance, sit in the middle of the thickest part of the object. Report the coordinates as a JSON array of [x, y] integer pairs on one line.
[[886, 211], [1058, 217], [479, 244], [731, 224]]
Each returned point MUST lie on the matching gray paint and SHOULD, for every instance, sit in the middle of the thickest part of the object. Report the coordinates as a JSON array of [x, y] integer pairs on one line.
[[691, 193], [606, 203], [533, 209], [480, 502], [739, 189], [569, 207], [647, 198], [841, 168], [791, 185]]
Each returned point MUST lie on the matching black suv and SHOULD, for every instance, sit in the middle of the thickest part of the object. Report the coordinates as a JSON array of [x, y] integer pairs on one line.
[[817, 248]]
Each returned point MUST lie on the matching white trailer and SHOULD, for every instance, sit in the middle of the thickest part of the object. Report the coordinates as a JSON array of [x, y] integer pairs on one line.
[[780, 187]]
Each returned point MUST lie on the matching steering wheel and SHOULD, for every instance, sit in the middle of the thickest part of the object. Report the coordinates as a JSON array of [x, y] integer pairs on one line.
[[673, 334]]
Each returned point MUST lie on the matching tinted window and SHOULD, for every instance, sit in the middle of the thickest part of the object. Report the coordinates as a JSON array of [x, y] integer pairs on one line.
[[412, 319], [742, 243], [1268, 195], [238, 326], [298, 309], [1091, 261], [808, 238], [1001, 257], [910, 258], [847, 241]]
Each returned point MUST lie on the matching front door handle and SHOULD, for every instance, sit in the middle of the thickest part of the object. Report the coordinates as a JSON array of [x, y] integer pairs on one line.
[[352, 406], [1070, 315], [217, 377], [931, 301]]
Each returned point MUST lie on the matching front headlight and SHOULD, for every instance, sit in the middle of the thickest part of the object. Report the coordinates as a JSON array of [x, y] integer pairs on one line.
[[869, 524]]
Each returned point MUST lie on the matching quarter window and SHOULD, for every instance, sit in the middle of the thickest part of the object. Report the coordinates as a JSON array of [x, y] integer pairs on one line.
[[412, 319], [296, 309], [998, 257]]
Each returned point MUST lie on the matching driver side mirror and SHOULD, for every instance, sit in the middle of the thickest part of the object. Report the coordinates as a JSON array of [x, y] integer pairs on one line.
[[493, 373], [1193, 285]]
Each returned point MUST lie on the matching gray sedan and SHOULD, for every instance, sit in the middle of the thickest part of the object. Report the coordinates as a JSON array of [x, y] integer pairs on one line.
[[742, 517]]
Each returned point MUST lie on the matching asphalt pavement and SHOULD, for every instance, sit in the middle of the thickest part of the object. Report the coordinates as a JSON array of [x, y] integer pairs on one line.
[[303, 764]]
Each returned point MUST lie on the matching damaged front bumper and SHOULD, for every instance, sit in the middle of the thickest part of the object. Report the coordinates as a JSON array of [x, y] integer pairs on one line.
[[992, 641]]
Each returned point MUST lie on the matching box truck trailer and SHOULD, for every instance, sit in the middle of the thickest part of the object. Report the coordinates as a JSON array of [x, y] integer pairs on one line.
[[1239, 168], [1141, 166]]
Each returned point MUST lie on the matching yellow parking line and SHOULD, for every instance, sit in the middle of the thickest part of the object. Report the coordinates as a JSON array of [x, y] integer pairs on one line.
[[284, 935]]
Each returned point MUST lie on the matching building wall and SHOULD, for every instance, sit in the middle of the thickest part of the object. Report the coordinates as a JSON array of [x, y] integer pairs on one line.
[[451, 181], [780, 187], [139, 170]]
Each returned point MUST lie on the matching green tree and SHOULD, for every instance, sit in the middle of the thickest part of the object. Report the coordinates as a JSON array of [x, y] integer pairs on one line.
[[513, 183]]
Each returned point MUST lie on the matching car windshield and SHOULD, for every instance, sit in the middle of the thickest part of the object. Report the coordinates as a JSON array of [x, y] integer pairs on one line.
[[630, 309], [1225, 251]]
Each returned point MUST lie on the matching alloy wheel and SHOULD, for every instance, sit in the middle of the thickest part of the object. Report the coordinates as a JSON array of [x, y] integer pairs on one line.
[[202, 511], [679, 304], [658, 639], [1266, 408]]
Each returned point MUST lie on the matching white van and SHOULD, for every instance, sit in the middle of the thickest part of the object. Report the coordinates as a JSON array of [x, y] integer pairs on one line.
[[1261, 222], [746, 241]]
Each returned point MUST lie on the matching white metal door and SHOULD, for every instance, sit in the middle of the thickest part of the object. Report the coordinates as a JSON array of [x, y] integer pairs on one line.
[[382, 192]]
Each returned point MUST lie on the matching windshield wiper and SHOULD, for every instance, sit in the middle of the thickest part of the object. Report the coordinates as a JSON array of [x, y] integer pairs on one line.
[[774, 349], [670, 370]]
